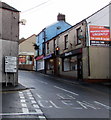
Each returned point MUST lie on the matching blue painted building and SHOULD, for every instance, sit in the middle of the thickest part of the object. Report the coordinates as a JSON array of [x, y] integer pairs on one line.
[[47, 34]]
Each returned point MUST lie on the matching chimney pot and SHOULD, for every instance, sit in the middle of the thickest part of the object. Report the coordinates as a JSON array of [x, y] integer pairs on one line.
[[60, 17]]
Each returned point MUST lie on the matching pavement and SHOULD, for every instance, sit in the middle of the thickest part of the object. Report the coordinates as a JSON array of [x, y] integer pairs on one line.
[[10, 87]]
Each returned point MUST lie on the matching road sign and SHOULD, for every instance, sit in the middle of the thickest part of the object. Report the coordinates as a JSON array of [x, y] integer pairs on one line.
[[10, 64]]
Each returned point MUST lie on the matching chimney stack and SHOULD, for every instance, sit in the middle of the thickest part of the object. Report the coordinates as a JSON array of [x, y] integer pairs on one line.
[[60, 17]]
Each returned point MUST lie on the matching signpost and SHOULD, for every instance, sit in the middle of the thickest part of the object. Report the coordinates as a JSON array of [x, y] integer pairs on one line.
[[10, 67]]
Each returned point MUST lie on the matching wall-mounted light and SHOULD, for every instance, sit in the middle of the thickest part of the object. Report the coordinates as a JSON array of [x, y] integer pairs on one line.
[[23, 21]]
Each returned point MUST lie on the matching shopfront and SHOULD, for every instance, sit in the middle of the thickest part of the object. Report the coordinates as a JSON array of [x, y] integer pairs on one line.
[[52, 64], [40, 64], [26, 62], [72, 64]]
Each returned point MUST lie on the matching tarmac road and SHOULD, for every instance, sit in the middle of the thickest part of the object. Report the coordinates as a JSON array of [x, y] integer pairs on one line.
[[51, 98]]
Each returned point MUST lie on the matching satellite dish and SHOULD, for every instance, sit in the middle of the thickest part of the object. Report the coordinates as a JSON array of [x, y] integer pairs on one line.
[[23, 21]]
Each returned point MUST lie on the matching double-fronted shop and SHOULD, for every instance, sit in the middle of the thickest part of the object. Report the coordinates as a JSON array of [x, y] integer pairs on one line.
[[71, 64]]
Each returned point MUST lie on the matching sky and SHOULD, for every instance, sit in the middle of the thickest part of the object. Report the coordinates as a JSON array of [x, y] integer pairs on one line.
[[41, 13]]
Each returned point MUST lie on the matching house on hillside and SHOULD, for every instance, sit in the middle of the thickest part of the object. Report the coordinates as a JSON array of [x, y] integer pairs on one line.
[[27, 53], [45, 35]]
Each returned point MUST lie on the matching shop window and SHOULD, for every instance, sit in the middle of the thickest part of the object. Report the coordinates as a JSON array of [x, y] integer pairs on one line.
[[66, 42], [78, 35], [70, 64], [50, 64], [25, 60]]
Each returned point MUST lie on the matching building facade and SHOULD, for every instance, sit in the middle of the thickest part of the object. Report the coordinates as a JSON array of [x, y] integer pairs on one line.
[[83, 51], [27, 53], [45, 35], [9, 37]]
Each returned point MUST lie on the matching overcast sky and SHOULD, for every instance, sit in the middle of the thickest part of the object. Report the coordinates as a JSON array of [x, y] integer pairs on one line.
[[41, 13]]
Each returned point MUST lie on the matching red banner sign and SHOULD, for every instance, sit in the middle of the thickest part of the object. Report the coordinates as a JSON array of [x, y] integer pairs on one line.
[[99, 33], [39, 57]]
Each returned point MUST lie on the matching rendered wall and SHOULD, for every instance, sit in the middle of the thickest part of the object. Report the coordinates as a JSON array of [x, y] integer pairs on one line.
[[99, 62], [9, 37]]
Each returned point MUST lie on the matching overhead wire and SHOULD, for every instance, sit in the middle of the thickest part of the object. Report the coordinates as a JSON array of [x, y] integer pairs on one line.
[[34, 7]]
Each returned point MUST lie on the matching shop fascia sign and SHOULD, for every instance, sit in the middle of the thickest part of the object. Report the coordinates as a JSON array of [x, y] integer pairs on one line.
[[74, 52], [40, 57], [48, 56], [67, 54]]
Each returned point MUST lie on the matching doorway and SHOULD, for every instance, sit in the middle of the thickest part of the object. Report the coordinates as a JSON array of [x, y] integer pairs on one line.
[[79, 67]]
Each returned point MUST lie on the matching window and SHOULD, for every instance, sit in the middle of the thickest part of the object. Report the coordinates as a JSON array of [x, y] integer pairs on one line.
[[78, 35], [48, 48], [66, 41], [70, 64], [54, 43]]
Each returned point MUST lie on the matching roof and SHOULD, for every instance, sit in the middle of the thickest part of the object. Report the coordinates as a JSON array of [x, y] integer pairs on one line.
[[82, 20], [52, 25], [23, 39], [3, 5]]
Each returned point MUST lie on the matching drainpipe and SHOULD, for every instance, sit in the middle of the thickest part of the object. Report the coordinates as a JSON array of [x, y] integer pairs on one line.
[[88, 44], [44, 49]]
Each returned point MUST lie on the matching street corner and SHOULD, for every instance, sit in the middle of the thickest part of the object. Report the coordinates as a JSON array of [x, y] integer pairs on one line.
[[22, 105], [10, 88]]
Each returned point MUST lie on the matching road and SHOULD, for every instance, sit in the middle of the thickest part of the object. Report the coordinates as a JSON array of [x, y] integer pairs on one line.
[[51, 98]]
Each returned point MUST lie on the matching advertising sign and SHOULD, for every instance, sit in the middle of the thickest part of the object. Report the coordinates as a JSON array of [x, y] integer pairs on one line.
[[10, 64], [99, 35]]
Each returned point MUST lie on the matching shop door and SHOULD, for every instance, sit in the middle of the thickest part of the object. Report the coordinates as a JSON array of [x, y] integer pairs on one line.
[[79, 67], [56, 69]]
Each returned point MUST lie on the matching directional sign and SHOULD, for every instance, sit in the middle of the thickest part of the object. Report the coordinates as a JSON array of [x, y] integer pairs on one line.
[[10, 64]]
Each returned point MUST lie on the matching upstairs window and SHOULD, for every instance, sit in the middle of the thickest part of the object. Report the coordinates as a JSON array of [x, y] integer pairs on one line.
[[78, 36], [48, 48], [54, 44], [66, 42]]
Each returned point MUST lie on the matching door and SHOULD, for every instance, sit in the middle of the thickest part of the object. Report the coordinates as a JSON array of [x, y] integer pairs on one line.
[[79, 67]]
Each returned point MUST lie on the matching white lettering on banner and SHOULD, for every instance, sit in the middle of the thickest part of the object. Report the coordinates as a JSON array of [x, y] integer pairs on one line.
[[67, 54]]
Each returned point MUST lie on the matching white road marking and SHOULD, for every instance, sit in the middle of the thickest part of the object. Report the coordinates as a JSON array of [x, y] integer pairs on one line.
[[71, 96], [30, 95], [24, 105], [60, 96], [25, 110], [66, 96], [47, 104], [42, 82], [38, 96], [39, 111], [22, 101], [54, 105], [33, 101], [106, 106], [11, 114], [21, 97], [21, 92], [31, 98], [68, 102], [35, 106], [42, 117], [66, 90], [86, 105]]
